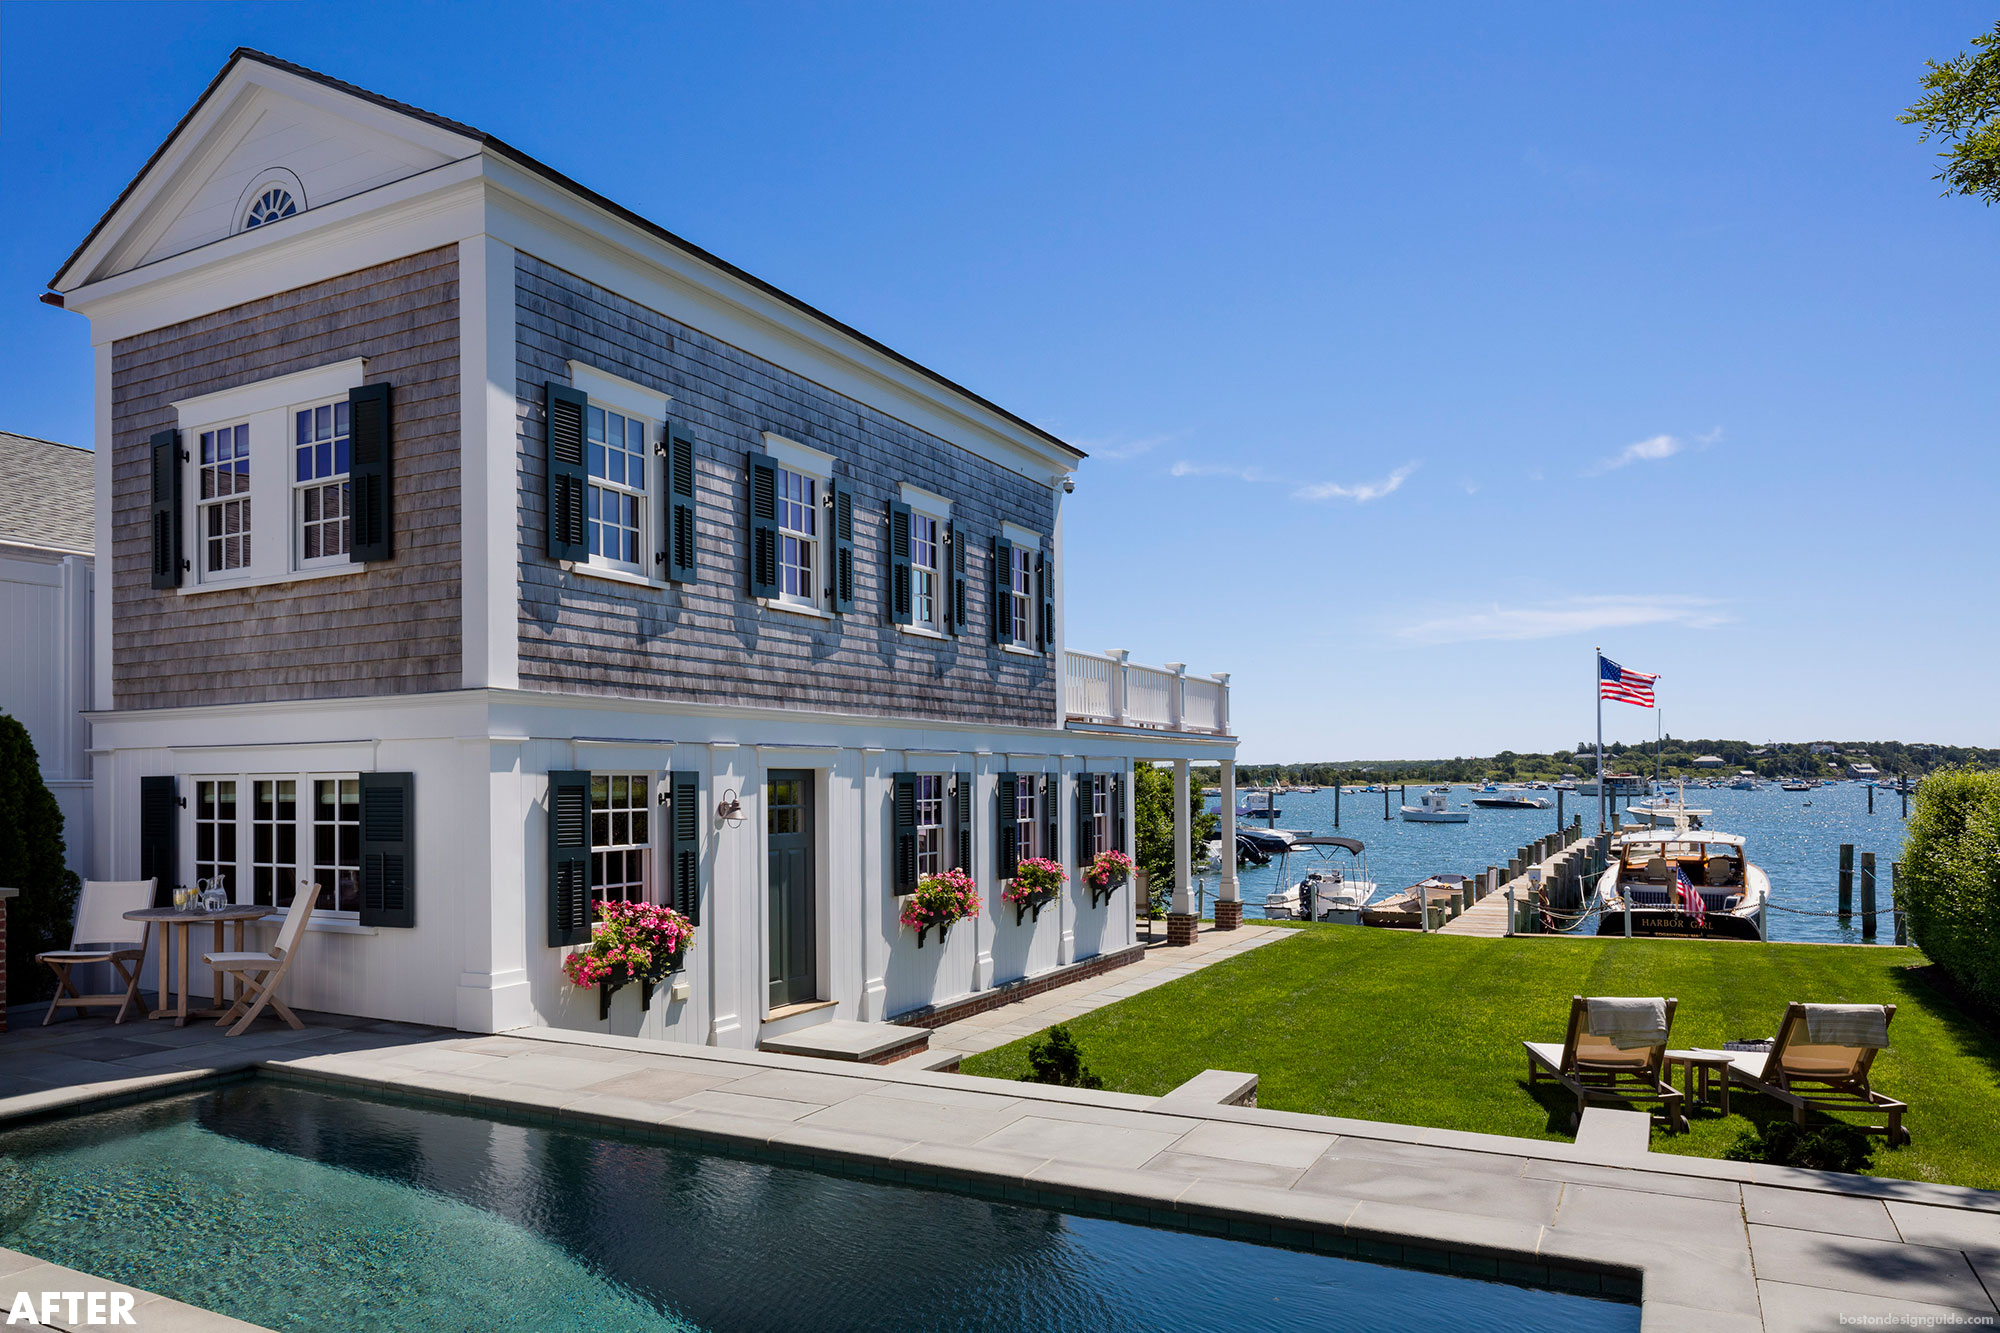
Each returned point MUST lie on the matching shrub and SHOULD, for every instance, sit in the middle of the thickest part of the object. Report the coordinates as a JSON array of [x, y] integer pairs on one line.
[[1949, 881], [1057, 1060], [1819, 1148], [31, 860]]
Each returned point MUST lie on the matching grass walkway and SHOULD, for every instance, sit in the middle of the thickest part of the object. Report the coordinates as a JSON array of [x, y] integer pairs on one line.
[[1427, 1030]]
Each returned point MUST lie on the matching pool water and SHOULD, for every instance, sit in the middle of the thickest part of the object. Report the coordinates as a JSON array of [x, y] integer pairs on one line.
[[296, 1209]]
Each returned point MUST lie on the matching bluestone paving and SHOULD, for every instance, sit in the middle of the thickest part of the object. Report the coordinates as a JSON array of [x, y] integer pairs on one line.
[[1817, 1212], [1081, 1141], [1792, 1308], [1868, 1267], [1477, 1193]]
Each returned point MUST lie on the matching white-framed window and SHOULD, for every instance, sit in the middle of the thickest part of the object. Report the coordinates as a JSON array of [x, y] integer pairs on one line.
[[1100, 814], [621, 837], [931, 854], [926, 568], [274, 201], [322, 500], [276, 450], [798, 538], [1021, 585], [1027, 816], [619, 461], [263, 834], [222, 499]]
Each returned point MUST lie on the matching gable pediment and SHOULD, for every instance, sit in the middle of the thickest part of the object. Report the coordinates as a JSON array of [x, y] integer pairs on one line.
[[258, 126]]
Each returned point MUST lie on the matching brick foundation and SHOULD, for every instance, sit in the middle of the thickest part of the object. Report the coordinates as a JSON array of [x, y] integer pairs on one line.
[[1228, 913], [1182, 930], [1013, 992]]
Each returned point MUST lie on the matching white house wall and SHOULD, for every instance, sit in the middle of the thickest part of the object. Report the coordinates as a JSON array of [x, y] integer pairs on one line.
[[45, 676]]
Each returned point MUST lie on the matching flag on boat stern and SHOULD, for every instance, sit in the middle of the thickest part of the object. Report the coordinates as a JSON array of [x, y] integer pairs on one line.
[[1624, 685], [1690, 897]]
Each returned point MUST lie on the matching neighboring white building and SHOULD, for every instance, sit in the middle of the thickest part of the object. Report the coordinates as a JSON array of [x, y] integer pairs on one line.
[[479, 550], [1708, 761], [1866, 772], [46, 545]]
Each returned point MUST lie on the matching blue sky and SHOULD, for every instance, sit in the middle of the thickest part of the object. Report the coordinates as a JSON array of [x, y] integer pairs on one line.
[[1418, 349]]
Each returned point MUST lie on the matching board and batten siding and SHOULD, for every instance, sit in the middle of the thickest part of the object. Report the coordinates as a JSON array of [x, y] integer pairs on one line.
[[388, 628], [707, 641]]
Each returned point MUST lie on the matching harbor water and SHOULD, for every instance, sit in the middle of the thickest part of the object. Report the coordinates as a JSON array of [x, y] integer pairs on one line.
[[1794, 837]]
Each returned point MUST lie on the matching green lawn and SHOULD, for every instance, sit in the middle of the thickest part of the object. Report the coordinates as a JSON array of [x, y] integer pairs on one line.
[[1427, 1030]]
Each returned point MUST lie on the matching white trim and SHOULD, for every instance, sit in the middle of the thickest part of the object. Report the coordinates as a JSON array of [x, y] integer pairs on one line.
[[280, 391], [489, 481], [1019, 651], [616, 574], [282, 178], [796, 608], [608, 390], [195, 587], [926, 502], [799, 457], [924, 632], [1020, 536]]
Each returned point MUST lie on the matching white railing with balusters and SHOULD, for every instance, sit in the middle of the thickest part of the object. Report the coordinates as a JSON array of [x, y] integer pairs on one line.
[[1109, 687]]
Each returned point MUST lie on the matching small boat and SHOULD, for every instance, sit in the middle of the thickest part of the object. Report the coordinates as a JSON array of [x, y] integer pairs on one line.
[[1398, 911], [1269, 841], [1621, 784], [1264, 811], [1435, 809], [1744, 781], [1509, 798], [1332, 893], [1795, 786]]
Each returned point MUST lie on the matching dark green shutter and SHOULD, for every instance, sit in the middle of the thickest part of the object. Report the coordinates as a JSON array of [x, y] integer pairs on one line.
[[159, 838], [1052, 817], [166, 457], [903, 818], [1086, 817], [1003, 590], [1006, 829], [1117, 812], [388, 856], [568, 490], [370, 474], [685, 866], [1045, 578], [763, 526], [569, 858], [961, 822], [899, 563], [678, 506], [955, 561], [840, 565]]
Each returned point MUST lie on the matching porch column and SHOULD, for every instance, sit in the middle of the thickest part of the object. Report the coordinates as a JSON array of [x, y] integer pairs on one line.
[[1182, 923], [1228, 900]]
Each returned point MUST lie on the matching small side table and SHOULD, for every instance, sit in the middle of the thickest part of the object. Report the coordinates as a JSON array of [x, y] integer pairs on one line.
[[1696, 1068], [174, 923]]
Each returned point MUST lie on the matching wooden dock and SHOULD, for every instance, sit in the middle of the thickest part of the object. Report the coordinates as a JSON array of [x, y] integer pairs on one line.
[[1563, 855]]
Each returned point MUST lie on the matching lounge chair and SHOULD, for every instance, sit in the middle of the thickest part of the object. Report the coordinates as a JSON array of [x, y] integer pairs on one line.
[[259, 973], [1599, 1070], [103, 935], [1821, 1076]]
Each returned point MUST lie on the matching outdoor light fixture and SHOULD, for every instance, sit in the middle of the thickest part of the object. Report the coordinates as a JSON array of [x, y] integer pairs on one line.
[[731, 810]]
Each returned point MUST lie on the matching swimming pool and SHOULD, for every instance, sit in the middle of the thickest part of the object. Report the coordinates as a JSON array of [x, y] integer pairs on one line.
[[297, 1209]]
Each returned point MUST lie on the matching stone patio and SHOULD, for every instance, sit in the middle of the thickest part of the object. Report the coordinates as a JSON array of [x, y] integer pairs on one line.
[[1712, 1245]]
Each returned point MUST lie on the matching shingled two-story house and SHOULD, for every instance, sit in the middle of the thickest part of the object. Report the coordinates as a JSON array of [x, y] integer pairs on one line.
[[476, 549]]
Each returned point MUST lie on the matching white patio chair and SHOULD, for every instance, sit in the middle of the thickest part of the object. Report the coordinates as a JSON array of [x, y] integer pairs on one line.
[[100, 922], [259, 973]]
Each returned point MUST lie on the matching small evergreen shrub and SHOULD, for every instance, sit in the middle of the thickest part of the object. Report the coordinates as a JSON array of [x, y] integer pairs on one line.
[[1057, 1060], [31, 860], [1949, 883], [1815, 1148]]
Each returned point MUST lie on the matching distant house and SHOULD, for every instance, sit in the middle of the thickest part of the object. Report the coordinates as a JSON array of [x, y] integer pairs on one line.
[[1866, 772], [47, 534], [1708, 761], [1822, 747]]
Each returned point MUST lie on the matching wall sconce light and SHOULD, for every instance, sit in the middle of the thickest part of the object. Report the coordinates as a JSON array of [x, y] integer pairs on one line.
[[730, 811]]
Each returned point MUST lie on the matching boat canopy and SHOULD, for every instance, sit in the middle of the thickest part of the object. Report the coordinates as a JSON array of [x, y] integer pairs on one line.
[[1328, 840]]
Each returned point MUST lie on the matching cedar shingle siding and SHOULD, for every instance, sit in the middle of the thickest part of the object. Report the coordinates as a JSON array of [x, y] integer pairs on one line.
[[705, 640], [391, 629]]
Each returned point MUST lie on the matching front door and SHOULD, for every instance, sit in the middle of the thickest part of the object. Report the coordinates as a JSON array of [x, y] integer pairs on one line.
[[794, 917]]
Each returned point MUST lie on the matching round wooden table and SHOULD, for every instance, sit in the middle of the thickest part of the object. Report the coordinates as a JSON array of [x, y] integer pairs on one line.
[[1703, 1063], [174, 923]]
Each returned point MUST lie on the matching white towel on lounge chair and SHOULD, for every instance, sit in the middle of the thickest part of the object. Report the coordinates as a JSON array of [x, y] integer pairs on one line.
[[1847, 1025], [1629, 1023]]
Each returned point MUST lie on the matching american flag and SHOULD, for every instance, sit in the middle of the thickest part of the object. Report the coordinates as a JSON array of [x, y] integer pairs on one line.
[[1690, 897], [1621, 685]]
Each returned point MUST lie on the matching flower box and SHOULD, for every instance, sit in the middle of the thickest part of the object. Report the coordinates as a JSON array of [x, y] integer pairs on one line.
[[642, 942], [1107, 873], [938, 901], [1037, 882]]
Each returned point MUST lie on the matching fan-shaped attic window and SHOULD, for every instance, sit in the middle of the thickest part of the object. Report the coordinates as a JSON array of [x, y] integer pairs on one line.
[[270, 205]]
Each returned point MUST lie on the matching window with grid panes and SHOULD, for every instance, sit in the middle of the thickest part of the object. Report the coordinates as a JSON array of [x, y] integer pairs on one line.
[[930, 824], [617, 464], [1100, 814], [215, 832], [336, 835], [322, 512], [222, 505], [1023, 583], [924, 549], [620, 836], [274, 841], [798, 538], [1027, 816]]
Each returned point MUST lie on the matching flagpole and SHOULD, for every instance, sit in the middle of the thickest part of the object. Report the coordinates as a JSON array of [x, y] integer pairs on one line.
[[1597, 687]]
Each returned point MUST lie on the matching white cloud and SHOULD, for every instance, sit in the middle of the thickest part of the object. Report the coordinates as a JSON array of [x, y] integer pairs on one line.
[[1359, 492], [1571, 615], [1183, 468], [1645, 451], [1122, 448]]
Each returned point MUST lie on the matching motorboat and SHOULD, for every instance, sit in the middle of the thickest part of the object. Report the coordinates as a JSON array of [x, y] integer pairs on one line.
[[1269, 841], [1265, 811], [1796, 785], [1744, 781], [1398, 911], [1665, 812], [1682, 880], [1435, 809], [1333, 893], [1491, 797], [1620, 784]]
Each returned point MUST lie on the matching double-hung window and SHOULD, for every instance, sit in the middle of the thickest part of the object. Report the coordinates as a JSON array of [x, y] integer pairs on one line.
[[223, 503], [925, 568], [798, 538], [263, 835], [618, 467], [1100, 814], [620, 837], [931, 857], [1021, 595], [1027, 816], [322, 505]]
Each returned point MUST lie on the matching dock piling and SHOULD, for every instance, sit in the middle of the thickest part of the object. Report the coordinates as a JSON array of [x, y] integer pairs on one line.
[[1336, 801], [1871, 798], [1385, 803], [1846, 881], [1867, 895]]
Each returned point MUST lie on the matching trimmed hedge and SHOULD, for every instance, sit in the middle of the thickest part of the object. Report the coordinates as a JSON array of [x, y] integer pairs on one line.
[[1949, 884], [31, 860]]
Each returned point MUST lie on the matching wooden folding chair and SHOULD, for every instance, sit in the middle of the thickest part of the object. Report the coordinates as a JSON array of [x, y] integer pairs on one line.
[[258, 974], [1819, 1077], [100, 922], [1598, 1070]]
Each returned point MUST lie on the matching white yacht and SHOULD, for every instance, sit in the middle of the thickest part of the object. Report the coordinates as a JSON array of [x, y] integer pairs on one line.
[[1723, 893], [1491, 797], [1331, 893], [1436, 809]]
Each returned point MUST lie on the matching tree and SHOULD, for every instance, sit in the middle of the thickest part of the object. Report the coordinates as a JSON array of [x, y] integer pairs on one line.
[[1153, 827], [1963, 109], [31, 860]]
